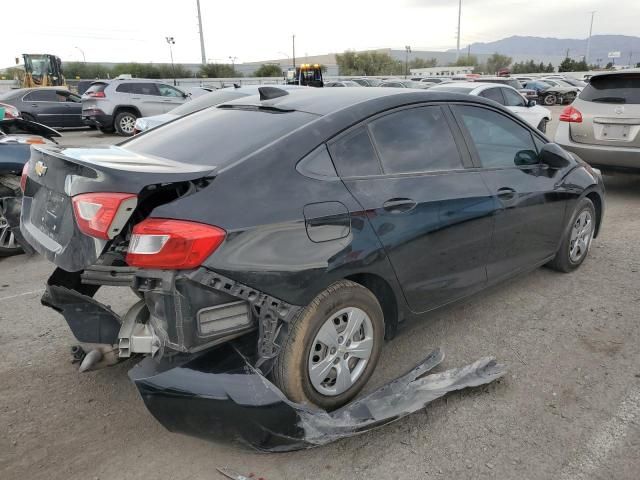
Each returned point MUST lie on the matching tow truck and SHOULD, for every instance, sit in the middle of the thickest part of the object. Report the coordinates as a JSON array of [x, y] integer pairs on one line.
[[309, 75]]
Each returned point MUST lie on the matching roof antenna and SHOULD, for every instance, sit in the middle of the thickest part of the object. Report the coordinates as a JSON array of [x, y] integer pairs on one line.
[[269, 93]]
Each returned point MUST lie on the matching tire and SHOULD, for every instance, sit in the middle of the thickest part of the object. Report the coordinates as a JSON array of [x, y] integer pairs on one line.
[[291, 371], [8, 244], [549, 100], [565, 261], [570, 97], [124, 123], [542, 126]]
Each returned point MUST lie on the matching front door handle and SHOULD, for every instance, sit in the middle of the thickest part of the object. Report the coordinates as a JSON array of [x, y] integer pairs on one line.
[[506, 193], [399, 205]]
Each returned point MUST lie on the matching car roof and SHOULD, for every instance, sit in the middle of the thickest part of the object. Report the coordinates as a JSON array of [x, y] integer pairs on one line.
[[320, 101]]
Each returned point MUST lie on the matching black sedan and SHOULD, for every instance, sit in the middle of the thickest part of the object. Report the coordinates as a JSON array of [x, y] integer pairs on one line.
[[299, 229], [52, 106]]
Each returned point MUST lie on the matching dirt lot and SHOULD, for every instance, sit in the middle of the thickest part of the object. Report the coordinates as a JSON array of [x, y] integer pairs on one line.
[[569, 408]]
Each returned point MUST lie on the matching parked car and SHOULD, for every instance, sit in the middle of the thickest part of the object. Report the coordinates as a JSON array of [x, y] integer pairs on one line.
[[204, 101], [16, 137], [561, 82], [342, 83], [51, 106], [602, 126], [368, 81], [117, 104], [550, 94], [305, 226], [533, 114], [529, 94], [405, 84], [436, 79]]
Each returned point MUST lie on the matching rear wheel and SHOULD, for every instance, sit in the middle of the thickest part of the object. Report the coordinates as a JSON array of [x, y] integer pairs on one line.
[[577, 238], [549, 100], [8, 244], [542, 126], [125, 123], [332, 348]]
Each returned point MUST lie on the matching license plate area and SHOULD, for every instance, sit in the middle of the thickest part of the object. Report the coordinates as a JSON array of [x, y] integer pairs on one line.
[[52, 214], [615, 132]]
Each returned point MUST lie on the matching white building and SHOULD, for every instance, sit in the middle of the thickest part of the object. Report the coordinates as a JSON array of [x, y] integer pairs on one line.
[[440, 71]]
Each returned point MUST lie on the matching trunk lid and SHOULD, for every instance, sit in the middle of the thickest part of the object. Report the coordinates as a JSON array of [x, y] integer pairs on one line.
[[610, 108], [56, 174]]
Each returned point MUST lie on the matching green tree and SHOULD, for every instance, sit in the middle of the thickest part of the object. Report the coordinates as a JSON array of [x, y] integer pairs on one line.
[[422, 63], [368, 63], [496, 62], [465, 61], [609, 65], [219, 70], [271, 70], [550, 68]]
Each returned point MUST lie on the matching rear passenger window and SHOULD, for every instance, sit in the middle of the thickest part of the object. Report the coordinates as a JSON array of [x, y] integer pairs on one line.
[[44, 95], [354, 155], [138, 88], [493, 94], [499, 141], [415, 140]]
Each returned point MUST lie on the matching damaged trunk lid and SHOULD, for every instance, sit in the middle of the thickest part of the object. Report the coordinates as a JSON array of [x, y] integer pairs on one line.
[[56, 175]]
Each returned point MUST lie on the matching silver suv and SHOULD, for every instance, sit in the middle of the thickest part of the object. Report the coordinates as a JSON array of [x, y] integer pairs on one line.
[[602, 126], [116, 104]]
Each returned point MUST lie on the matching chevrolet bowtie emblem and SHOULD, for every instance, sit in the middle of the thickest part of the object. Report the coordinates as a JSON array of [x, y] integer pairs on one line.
[[40, 168]]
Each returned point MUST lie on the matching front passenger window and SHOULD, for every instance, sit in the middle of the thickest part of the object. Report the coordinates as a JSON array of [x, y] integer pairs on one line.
[[500, 141], [513, 98]]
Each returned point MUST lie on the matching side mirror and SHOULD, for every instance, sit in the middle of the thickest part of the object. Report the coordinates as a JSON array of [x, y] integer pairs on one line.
[[531, 103], [555, 156]]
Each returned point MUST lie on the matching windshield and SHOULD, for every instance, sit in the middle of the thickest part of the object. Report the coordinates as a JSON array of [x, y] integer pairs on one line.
[[207, 100], [216, 136], [622, 88]]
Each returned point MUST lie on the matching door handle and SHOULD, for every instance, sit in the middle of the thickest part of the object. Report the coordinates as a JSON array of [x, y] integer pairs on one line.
[[399, 205], [34, 105], [506, 193]]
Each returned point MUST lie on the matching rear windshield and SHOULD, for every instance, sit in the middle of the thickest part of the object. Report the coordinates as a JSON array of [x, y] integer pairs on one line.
[[624, 88], [217, 136], [207, 100], [96, 87]]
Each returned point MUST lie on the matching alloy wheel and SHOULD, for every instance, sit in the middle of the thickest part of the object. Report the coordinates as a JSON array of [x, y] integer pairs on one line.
[[581, 234], [340, 351], [127, 124], [7, 238]]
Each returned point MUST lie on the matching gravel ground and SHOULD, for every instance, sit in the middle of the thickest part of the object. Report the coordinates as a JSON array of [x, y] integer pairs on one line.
[[569, 408]]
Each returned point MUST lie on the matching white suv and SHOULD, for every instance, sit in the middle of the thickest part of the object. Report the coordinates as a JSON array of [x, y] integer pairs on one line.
[[116, 104]]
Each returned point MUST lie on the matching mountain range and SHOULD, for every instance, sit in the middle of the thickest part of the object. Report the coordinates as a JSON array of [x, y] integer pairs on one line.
[[601, 45]]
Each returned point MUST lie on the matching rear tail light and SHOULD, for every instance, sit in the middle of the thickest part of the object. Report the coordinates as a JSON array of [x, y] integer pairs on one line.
[[23, 178], [96, 94], [172, 244], [571, 114], [102, 215]]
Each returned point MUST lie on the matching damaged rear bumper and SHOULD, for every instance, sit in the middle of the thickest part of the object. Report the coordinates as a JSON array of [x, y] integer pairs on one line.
[[219, 395]]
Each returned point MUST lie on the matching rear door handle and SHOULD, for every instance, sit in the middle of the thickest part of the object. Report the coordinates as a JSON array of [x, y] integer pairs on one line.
[[506, 193], [399, 205]]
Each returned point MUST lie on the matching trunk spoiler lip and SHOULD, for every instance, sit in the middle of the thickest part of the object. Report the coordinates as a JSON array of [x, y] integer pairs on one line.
[[113, 157], [30, 128]]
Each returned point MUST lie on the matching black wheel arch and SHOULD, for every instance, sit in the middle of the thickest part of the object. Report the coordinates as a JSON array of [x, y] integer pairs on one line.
[[126, 108]]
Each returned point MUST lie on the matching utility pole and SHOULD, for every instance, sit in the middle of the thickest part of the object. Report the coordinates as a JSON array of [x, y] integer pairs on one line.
[[84, 59], [469, 54], [172, 41], [203, 55], [294, 51], [586, 57], [567, 53], [407, 51], [459, 17]]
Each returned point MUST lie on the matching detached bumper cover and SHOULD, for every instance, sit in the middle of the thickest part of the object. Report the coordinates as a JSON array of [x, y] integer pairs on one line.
[[219, 395]]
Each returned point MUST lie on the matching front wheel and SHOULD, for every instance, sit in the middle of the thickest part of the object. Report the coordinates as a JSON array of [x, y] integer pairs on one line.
[[332, 347], [577, 238], [550, 100]]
